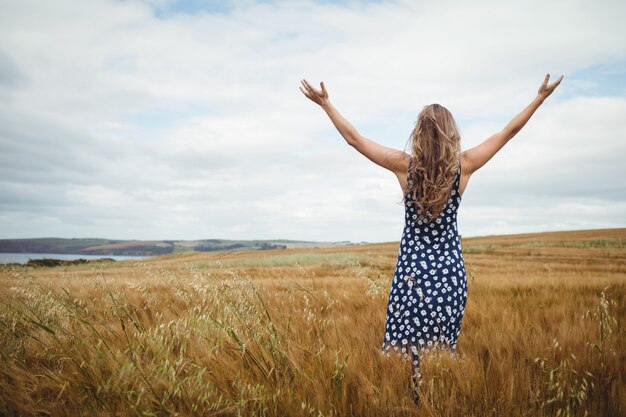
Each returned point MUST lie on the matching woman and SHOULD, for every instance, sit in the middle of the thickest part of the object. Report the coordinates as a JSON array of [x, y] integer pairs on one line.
[[429, 289]]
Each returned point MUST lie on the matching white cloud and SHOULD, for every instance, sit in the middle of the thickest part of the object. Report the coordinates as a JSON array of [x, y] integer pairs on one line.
[[191, 125]]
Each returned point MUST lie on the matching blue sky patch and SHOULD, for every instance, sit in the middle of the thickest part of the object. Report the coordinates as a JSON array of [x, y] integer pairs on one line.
[[607, 80]]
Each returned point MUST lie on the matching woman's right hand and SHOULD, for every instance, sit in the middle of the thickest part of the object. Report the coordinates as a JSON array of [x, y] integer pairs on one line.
[[317, 96], [545, 90]]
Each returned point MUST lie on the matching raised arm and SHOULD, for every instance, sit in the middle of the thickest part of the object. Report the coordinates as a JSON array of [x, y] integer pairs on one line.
[[478, 156], [392, 159]]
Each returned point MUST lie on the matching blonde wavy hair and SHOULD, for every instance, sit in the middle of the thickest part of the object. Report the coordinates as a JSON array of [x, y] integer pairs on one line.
[[435, 145]]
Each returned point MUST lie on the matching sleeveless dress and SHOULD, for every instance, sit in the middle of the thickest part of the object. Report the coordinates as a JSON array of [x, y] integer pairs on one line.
[[429, 288]]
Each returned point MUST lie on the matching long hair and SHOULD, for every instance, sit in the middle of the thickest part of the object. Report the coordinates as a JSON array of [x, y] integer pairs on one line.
[[435, 148]]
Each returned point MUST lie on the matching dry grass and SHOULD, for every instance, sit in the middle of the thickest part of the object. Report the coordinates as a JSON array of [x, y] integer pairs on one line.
[[298, 333]]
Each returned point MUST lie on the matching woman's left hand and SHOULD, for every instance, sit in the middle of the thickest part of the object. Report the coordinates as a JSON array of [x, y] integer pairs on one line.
[[317, 96]]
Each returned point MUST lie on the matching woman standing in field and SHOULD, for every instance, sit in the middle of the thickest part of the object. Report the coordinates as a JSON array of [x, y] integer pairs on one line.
[[428, 292]]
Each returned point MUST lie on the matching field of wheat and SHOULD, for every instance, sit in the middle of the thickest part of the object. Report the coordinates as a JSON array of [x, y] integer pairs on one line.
[[297, 332]]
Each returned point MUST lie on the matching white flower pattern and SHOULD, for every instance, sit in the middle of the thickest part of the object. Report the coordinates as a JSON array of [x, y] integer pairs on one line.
[[426, 319]]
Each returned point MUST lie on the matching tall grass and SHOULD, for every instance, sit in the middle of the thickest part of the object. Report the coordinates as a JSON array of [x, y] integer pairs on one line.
[[299, 335]]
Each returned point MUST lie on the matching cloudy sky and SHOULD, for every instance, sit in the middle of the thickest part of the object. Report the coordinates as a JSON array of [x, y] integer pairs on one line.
[[165, 119]]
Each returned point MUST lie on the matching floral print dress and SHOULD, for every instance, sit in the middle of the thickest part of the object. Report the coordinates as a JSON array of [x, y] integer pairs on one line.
[[429, 288]]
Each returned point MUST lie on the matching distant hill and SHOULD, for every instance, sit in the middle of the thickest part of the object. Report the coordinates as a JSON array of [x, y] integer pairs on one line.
[[88, 246]]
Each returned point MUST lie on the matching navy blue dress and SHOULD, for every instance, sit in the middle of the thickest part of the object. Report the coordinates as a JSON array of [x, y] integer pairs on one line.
[[429, 287]]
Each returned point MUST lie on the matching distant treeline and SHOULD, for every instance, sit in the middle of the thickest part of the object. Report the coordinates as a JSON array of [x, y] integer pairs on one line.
[[49, 263]]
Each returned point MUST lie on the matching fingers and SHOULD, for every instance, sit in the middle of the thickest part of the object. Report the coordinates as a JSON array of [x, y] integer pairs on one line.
[[304, 92], [311, 89], [556, 83], [308, 86], [549, 88], [323, 88]]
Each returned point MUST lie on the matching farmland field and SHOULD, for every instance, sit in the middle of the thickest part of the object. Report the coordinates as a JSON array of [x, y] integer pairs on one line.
[[297, 332]]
